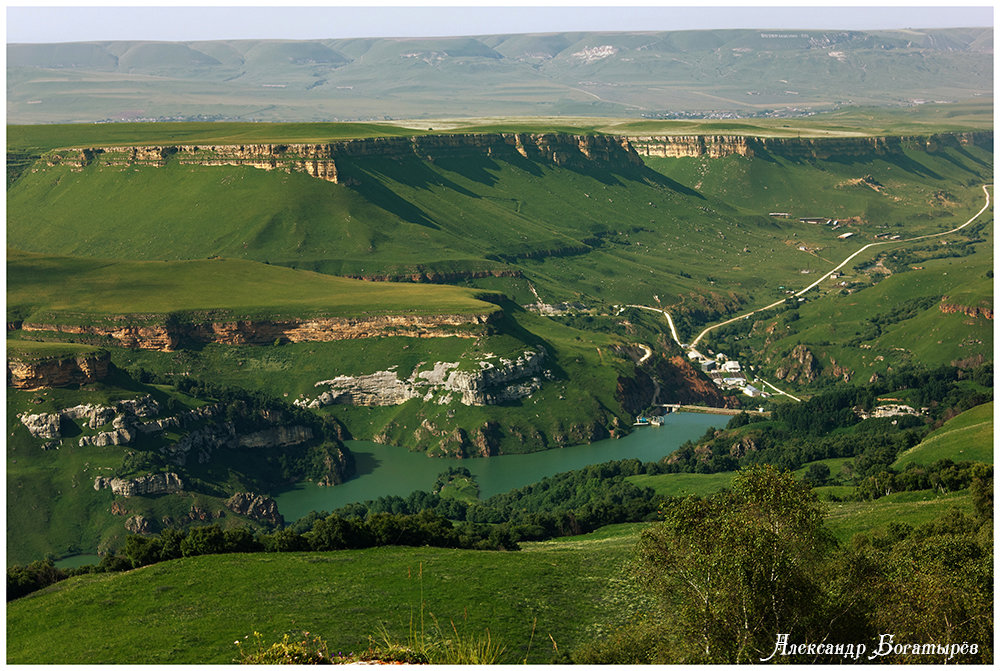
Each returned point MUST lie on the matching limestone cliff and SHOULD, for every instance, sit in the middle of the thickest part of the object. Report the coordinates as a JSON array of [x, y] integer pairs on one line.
[[320, 160], [718, 146], [495, 380], [33, 374], [175, 333], [144, 485], [120, 414]]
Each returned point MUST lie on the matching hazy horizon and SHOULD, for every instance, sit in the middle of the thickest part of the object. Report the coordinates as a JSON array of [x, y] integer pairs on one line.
[[44, 25]]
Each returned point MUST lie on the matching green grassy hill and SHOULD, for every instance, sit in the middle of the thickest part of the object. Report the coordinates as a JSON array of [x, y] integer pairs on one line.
[[692, 231], [62, 288], [197, 607], [967, 437]]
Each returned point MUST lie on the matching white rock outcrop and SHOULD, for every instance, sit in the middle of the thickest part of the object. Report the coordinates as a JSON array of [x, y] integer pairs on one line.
[[497, 380]]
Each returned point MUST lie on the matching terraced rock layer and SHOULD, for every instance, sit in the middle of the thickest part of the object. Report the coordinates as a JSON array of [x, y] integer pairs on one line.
[[169, 336], [719, 146], [320, 160]]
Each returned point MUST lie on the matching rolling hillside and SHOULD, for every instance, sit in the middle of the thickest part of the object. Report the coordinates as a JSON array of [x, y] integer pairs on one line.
[[967, 437], [200, 605], [594, 74]]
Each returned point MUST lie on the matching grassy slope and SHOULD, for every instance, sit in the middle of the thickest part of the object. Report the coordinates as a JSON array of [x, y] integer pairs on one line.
[[844, 518], [195, 608], [915, 508], [592, 235], [65, 287], [967, 437], [26, 350], [837, 327]]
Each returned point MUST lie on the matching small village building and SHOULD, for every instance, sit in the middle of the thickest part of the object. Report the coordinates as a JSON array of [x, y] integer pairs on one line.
[[844, 236], [752, 391], [731, 366]]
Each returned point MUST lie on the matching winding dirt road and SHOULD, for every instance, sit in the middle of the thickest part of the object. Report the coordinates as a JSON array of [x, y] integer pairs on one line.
[[693, 343], [844, 263]]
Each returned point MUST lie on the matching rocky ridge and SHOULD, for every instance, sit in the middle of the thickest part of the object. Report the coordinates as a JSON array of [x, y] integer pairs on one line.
[[169, 336], [320, 160], [492, 384], [719, 146]]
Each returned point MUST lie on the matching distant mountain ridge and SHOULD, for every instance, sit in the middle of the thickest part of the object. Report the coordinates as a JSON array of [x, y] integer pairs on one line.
[[581, 73]]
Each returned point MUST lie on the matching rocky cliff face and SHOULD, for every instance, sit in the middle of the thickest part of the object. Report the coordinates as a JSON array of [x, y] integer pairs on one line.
[[718, 146], [170, 336], [60, 372], [320, 160], [496, 380]]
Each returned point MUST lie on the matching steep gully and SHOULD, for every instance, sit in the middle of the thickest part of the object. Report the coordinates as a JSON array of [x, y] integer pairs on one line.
[[690, 346]]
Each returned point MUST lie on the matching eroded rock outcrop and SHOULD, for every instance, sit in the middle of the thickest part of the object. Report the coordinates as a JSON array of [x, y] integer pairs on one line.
[[974, 311], [799, 366], [138, 524], [103, 439], [57, 372], [495, 380], [144, 485], [256, 507], [45, 425], [121, 415]]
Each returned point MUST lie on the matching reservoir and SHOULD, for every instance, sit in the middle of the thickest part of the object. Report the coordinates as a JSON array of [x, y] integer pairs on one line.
[[385, 470]]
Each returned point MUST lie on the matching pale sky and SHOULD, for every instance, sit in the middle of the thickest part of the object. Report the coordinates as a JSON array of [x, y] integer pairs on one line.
[[130, 22]]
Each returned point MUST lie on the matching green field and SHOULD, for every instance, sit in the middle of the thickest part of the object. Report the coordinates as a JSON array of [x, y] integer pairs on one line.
[[197, 607], [27, 350], [967, 437], [69, 289], [848, 518], [683, 484]]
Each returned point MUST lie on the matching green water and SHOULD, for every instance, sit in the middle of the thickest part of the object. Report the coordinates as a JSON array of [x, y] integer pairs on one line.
[[384, 470]]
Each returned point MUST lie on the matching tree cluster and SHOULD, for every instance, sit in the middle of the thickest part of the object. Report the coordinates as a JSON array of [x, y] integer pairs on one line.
[[732, 572]]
